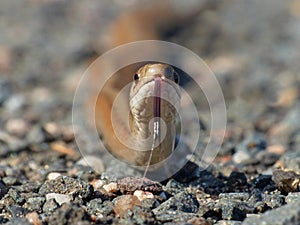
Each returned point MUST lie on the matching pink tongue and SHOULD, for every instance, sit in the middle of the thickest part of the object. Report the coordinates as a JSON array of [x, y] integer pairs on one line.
[[157, 97], [156, 114]]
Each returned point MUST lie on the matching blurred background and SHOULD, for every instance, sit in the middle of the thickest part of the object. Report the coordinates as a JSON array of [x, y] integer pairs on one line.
[[252, 46]]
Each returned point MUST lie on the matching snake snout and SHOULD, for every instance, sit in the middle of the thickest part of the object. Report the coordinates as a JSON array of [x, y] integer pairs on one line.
[[161, 70]]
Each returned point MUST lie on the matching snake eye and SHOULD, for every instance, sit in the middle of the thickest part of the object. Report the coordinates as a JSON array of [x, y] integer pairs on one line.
[[176, 77], [136, 76]]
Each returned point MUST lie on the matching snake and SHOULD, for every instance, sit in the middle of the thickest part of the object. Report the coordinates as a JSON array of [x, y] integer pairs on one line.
[[153, 101], [153, 97]]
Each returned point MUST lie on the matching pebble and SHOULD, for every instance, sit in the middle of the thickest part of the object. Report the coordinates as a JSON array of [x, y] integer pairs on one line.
[[233, 209], [150, 203], [267, 158], [13, 143], [53, 175], [68, 134], [285, 215], [16, 211], [131, 184], [14, 103], [143, 215], [141, 195], [234, 196], [282, 131], [276, 149], [29, 186], [42, 98], [52, 130], [173, 187], [124, 203], [67, 185], [61, 147], [198, 221], [246, 151], [50, 206], [36, 135], [237, 179], [69, 214], [210, 182], [33, 218], [59, 198], [10, 180], [189, 172], [99, 208], [261, 182], [291, 161], [292, 197], [97, 184], [111, 187], [35, 203], [273, 200], [16, 196], [241, 157], [286, 181], [18, 127], [183, 201]]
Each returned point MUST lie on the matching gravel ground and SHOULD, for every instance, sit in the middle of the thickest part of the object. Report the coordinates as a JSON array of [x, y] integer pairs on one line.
[[253, 48]]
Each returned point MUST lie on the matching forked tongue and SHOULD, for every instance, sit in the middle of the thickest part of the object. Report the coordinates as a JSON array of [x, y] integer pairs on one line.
[[156, 114]]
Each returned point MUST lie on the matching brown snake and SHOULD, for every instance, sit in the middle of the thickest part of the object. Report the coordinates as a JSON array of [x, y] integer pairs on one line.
[[155, 83], [154, 94]]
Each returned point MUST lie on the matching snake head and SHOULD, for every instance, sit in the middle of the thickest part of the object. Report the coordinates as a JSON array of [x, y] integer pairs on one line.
[[154, 93], [150, 71]]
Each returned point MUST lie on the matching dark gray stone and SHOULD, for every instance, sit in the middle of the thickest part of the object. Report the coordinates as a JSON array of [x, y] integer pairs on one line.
[[50, 206], [35, 203], [183, 201], [67, 185], [285, 215], [291, 161], [293, 197], [99, 208]]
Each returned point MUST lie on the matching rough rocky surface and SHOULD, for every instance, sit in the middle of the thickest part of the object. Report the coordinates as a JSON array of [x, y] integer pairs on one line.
[[285, 215], [253, 49]]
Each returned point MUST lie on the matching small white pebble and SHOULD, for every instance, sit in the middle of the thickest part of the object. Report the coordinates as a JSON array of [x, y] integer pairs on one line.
[[141, 195], [17, 127], [111, 187], [52, 129], [97, 184], [53, 175], [59, 198]]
